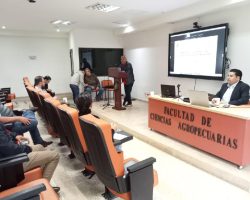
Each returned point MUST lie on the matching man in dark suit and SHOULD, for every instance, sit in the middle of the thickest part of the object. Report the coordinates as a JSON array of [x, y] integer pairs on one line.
[[234, 92]]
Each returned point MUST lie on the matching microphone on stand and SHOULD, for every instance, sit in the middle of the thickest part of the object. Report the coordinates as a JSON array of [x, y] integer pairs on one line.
[[178, 90]]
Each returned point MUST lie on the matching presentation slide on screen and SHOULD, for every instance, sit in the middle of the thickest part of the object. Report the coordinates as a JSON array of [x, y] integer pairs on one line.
[[196, 56]]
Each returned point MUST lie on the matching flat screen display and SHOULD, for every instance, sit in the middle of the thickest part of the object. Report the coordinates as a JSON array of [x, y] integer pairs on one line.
[[198, 53], [100, 59]]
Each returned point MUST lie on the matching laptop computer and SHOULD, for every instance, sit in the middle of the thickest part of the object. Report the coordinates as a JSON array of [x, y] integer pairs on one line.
[[167, 90], [199, 98]]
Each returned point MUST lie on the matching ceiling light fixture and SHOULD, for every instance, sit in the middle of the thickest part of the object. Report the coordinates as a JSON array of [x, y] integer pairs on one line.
[[61, 22], [235, 1], [56, 22], [66, 23], [58, 30], [121, 23], [129, 29], [3, 27], [102, 7]]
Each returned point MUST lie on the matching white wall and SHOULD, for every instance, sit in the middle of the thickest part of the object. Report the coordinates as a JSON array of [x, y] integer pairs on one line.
[[52, 58], [148, 52]]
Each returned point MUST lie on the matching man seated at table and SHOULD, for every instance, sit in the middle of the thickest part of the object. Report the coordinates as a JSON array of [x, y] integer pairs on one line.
[[91, 82], [235, 91]]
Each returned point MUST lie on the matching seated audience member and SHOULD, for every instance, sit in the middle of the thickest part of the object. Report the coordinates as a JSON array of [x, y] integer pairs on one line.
[[47, 80], [235, 91], [13, 144], [92, 83], [39, 83], [76, 82], [84, 104], [22, 124]]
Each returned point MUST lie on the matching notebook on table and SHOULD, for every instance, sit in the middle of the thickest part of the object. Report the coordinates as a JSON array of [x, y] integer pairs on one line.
[[199, 98]]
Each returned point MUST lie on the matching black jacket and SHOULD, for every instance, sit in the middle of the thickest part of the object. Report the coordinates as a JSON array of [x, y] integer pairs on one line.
[[129, 70], [8, 147], [240, 94]]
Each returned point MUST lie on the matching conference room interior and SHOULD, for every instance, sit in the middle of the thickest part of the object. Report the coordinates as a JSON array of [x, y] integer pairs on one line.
[[189, 166]]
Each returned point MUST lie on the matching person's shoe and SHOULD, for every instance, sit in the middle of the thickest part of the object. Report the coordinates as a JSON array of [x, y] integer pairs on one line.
[[124, 103], [45, 143], [98, 98], [56, 189], [128, 104]]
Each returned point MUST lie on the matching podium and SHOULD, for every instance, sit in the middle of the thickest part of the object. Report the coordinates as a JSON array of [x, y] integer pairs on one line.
[[117, 74]]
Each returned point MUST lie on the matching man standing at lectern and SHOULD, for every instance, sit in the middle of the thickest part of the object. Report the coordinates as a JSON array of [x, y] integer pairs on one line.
[[129, 81], [234, 92]]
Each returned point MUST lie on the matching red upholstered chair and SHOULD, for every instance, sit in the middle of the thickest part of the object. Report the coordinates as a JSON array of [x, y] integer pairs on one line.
[[51, 106], [70, 121], [108, 87], [14, 184], [26, 81], [35, 190], [127, 179], [33, 96], [39, 101]]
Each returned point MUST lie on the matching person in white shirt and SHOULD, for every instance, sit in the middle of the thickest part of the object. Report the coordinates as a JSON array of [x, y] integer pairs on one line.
[[235, 91], [77, 82], [39, 83]]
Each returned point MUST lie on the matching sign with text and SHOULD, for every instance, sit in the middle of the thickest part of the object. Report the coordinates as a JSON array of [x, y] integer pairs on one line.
[[218, 134]]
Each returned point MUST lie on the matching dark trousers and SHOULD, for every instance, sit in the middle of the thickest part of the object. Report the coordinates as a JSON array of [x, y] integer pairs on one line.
[[128, 89], [20, 128], [75, 91]]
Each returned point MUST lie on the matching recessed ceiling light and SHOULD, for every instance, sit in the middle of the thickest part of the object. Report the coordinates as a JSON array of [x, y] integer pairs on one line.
[[66, 23], [3, 27], [61, 22], [56, 22], [236, 1], [58, 30], [102, 7], [121, 23], [129, 29]]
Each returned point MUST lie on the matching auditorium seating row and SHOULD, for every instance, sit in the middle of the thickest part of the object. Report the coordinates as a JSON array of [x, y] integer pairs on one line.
[[17, 185], [90, 140]]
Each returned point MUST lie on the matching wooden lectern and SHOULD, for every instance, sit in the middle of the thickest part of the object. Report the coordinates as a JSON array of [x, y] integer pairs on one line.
[[117, 74]]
